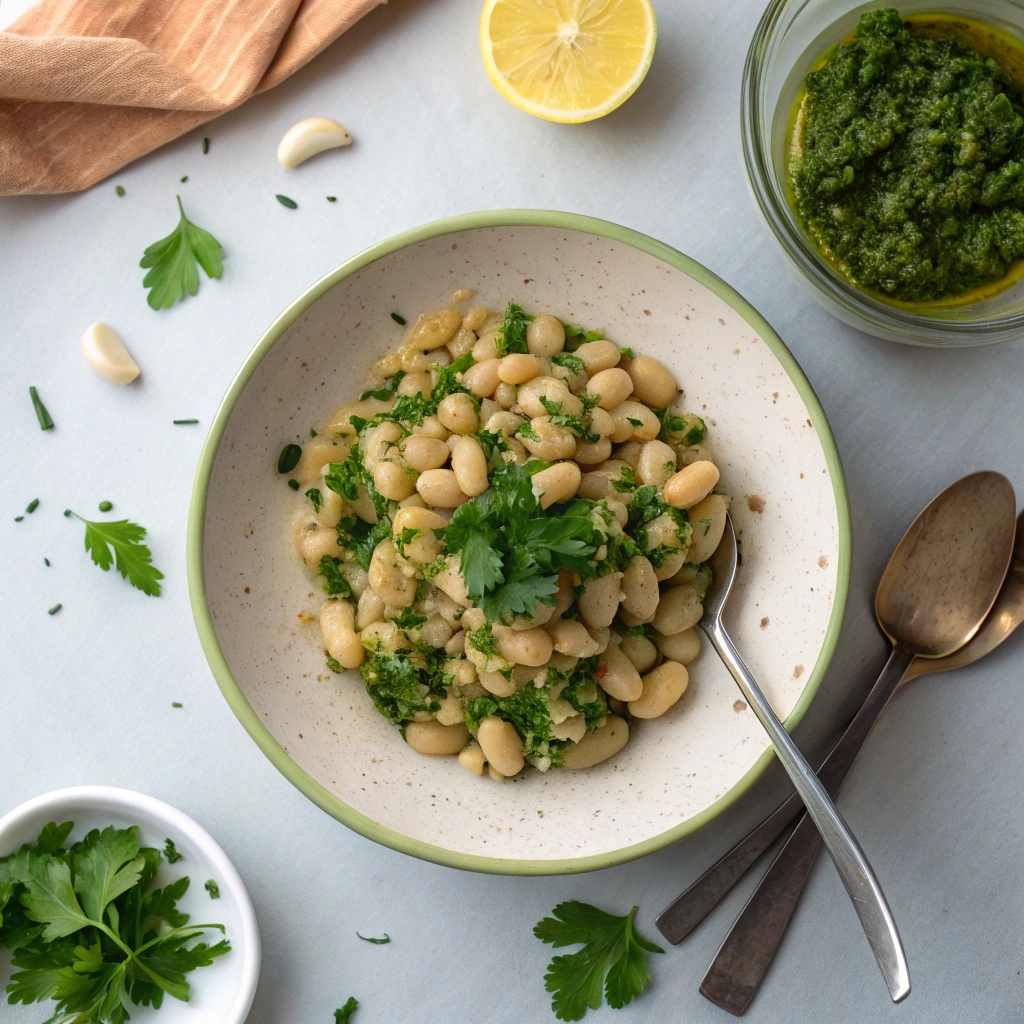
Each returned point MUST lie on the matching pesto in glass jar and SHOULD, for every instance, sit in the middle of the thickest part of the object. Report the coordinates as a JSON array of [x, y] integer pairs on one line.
[[906, 159]]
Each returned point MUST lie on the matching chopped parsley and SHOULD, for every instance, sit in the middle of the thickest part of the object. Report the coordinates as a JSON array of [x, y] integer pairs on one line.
[[287, 201], [398, 318], [382, 394], [344, 1014], [400, 688], [626, 480], [334, 665], [316, 498], [572, 363], [171, 852], [512, 336], [289, 458], [689, 430], [407, 536], [484, 641], [212, 888], [575, 424], [335, 581]]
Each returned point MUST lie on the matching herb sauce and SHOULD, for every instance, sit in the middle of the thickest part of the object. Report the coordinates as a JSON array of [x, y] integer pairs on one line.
[[906, 158]]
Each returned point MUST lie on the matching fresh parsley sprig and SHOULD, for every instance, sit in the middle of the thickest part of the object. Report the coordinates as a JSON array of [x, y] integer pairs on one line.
[[173, 262], [611, 962], [120, 544], [90, 932]]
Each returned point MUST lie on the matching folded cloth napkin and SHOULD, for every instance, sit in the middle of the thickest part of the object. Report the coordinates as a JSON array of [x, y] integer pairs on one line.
[[87, 86]]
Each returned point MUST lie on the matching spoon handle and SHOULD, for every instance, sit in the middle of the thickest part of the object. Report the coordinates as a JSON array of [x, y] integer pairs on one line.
[[853, 867], [738, 969]]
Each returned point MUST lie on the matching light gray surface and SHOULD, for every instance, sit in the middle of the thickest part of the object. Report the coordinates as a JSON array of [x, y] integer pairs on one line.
[[88, 692]]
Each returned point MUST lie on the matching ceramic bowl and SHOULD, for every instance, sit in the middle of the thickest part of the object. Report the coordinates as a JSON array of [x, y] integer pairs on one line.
[[222, 992], [250, 592]]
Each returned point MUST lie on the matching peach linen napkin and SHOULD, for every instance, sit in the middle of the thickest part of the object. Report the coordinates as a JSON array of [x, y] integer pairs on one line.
[[87, 86]]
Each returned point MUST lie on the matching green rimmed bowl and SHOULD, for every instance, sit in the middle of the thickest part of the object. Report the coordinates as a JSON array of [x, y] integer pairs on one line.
[[252, 598]]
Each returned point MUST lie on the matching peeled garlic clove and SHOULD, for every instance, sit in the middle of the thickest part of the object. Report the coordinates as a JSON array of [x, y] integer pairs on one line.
[[104, 351], [309, 137]]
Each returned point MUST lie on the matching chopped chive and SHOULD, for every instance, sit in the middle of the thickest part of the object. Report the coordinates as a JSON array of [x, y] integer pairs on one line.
[[398, 319], [289, 458], [46, 560], [32, 505], [376, 942], [176, 704], [206, 145], [56, 608], [67, 512], [106, 506], [180, 423], [18, 519], [293, 484], [184, 179], [213, 889], [285, 201], [312, 432], [45, 422], [119, 189], [332, 199]]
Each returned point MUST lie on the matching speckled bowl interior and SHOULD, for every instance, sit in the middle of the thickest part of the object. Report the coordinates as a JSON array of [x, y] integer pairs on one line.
[[778, 462]]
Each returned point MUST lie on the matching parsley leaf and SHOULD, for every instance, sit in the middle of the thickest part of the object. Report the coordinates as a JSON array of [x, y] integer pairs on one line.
[[344, 1015], [316, 497], [172, 262], [132, 559], [611, 961], [576, 336], [512, 336], [171, 852], [335, 581], [572, 363], [382, 394]]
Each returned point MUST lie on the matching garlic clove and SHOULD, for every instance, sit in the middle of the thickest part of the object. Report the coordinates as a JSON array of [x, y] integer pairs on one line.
[[309, 137], [104, 351]]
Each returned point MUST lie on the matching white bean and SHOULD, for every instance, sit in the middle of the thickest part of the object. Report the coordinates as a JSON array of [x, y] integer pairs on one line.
[[415, 384], [525, 647], [551, 390], [476, 317], [599, 355], [337, 626], [600, 600], [463, 342], [423, 453], [616, 675], [391, 479], [545, 336], [482, 377], [472, 757], [435, 738], [592, 453], [679, 609], [387, 579], [556, 484], [470, 466], [634, 421], [682, 647], [370, 608], [597, 746], [707, 518], [613, 386], [661, 689], [653, 383], [458, 414], [641, 652], [431, 427], [550, 442], [571, 637], [501, 745], [432, 330], [656, 464], [639, 588], [691, 484], [518, 368], [440, 488]]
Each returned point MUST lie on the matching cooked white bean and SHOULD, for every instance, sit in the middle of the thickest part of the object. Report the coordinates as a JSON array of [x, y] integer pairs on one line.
[[656, 464], [599, 355], [370, 608], [679, 609], [653, 383], [458, 414], [392, 480], [634, 421], [600, 600], [384, 637], [431, 427], [440, 488], [435, 631], [501, 745], [618, 509], [337, 626], [506, 395], [707, 518], [661, 689], [592, 453], [376, 442], [672, 564], [545, 336], [497, 683], [616, 675], [639, 588], [571, 637], [597, 746], [432, 330], [469, 465], [456, 643], [518, 368], [525, 647], [482, 377], [488, 408], [613, 386], [321, 451], [691, 484], [423, 453], [534, 393], [313, 541], [641, 652], [682, 647], [550, 442], [463, 342], [472, 757], [504, 423], [387, 579], [476, 317], [601, 423], [556, 484], [435, 738]]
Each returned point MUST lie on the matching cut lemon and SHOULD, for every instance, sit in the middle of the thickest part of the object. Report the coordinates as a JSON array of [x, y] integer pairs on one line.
[[567, 60]]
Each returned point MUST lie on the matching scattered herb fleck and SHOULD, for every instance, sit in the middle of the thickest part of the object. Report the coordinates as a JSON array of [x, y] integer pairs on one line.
[[312, 433], [174, 262], [316, 497], [206, 145], [106, 506], [344, 1015], [628, 353], [382, 394], [332, 199], [214, 890], [334, 665], [289, 458], [293, 484], [119, 189], [611, 961], [45, 422], [399, 319], [130, 556], [32, 506], [184, 179], [376, 942], [18, 519], [171, 852], [182, 423], [56, 608], [285, 201], [176, 704], [47, 561]]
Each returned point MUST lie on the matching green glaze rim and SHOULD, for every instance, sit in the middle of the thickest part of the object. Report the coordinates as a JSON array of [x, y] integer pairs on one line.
[[197, 516]]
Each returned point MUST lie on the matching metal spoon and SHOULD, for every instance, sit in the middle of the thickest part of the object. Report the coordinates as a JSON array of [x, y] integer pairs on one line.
[[853, 867], [937, 590], [693, 905]]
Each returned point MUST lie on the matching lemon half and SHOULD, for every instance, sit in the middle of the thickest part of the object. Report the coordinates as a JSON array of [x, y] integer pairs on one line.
[[567, 60]]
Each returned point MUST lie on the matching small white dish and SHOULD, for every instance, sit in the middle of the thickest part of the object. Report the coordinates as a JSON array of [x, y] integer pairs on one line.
[[221, 993]]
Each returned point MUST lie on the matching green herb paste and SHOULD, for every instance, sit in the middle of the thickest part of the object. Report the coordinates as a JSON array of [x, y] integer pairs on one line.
[[907, 160]]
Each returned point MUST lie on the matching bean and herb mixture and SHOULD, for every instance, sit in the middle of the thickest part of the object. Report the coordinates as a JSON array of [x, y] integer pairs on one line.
[[511, 527], [907, 161]]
